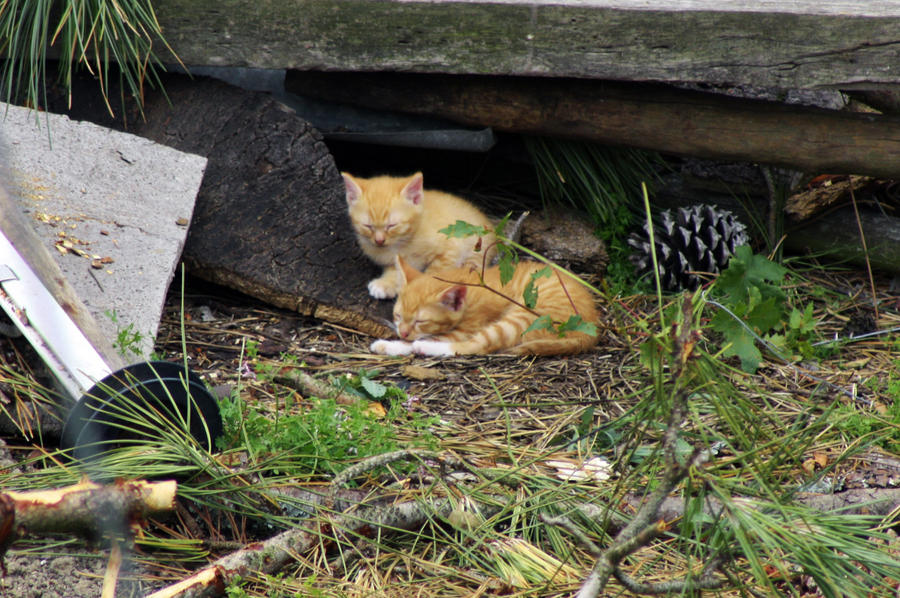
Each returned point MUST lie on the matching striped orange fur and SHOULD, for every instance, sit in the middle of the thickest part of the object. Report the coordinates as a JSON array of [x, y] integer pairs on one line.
[[447, 313], [397, 216]]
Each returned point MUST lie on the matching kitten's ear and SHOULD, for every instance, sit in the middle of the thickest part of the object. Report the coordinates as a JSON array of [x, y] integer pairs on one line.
[[406, 272], [354, 191], [414, 190], [454, 297]]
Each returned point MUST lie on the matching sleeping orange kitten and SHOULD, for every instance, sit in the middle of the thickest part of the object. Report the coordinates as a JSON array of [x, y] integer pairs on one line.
[[396, 216], [448, 318]]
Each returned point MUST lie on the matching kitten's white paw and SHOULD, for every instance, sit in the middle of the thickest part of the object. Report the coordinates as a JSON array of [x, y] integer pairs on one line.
[[379, 289], [432, 348], [386, 347]]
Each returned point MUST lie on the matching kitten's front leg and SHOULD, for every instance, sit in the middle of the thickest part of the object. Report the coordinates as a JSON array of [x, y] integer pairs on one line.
[[386, 285], [389, 347], [433, 348]]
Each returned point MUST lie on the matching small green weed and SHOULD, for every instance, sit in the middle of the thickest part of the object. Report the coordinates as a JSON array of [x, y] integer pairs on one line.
[[365, 385], [325, 435], [620, 278], [755, 307], [128, 339]]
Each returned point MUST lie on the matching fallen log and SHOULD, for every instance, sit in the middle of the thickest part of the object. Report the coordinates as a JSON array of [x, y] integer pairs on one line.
[[836, 236], [648, 116]]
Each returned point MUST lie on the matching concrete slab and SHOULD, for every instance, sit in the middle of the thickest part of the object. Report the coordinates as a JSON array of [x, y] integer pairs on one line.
[[112, 208]]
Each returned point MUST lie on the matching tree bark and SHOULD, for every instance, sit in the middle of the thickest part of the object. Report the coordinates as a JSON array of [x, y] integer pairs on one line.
[[652, 117], [86, 509]]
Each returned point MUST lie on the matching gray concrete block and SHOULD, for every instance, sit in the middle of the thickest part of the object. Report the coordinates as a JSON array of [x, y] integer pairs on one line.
[[99, 197]]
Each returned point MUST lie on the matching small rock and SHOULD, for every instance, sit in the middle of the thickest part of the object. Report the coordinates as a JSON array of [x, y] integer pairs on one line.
[[566, 238]]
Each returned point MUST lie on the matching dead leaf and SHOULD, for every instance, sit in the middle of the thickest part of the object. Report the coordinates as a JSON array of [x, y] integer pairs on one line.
[[377, 409], [820, 458], [418, 372]]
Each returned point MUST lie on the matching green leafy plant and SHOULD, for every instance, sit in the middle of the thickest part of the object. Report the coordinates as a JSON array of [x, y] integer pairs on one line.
[[85, 33], [754, 308], [325, 434], [365, 385], [128, 340]]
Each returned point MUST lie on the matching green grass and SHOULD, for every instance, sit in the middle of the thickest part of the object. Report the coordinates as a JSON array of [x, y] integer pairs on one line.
[[604, 183], [877, 423], [88, 34], [322, 437]]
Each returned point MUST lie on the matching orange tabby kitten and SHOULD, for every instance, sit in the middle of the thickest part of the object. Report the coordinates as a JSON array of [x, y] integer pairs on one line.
[[443, 316], [396, 216]]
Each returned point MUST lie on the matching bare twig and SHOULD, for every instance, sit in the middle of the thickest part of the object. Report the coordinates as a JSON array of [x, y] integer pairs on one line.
[[862, 240], [308, 385], [86, 509], [274, 554], [646, 524]]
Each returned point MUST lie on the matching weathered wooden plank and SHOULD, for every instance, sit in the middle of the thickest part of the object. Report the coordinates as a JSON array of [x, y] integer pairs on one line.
[[782, 44], [649, 116], [31, 248]]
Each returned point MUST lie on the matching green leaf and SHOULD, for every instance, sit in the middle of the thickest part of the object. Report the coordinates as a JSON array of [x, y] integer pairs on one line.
[[576, 324], [747, 270], [802, 321], [544, 322], [376, 390], [766, 315], [463, 229], [741, 342], [501, 226], [530, 293], [507, 263]]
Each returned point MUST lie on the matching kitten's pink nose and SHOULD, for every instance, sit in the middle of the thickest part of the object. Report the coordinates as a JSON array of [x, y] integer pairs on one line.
[[403, 331], [379, 239]]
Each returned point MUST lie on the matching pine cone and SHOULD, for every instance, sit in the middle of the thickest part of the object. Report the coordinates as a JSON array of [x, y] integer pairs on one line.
[[701, 238]]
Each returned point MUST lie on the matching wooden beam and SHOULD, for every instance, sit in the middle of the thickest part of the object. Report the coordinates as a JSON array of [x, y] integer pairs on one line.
[[648, 116], [778, 43]]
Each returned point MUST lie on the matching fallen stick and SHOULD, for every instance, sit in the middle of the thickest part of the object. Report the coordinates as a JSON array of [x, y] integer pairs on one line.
[[86, 509], [277, 552], [306, 384]]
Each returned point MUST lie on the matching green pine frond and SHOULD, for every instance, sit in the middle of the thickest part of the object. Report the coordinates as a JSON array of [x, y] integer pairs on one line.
[[89, 34]]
